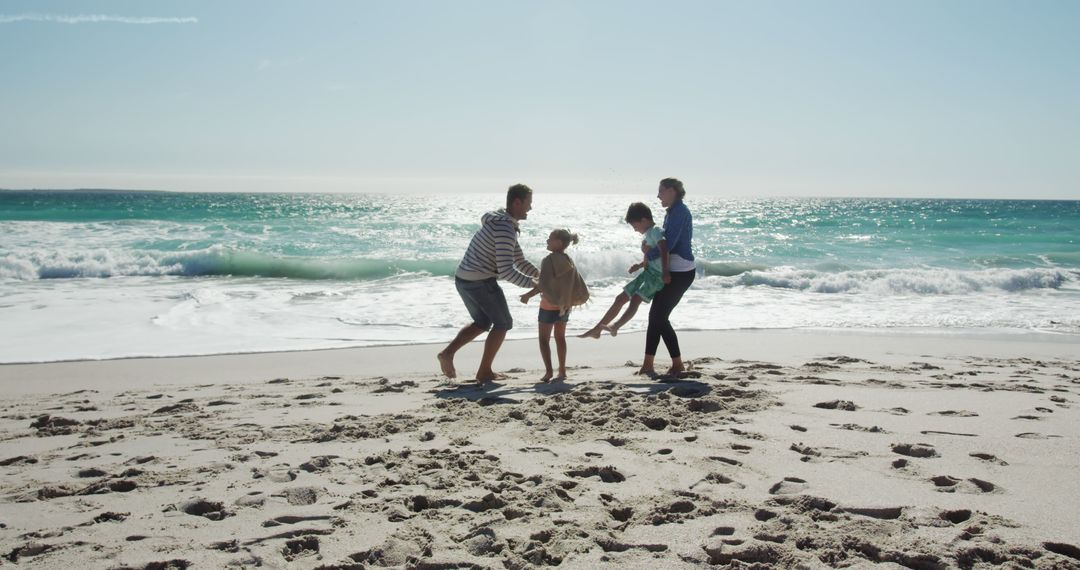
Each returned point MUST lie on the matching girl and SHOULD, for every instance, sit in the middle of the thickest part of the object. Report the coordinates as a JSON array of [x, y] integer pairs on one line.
[[560, 288]]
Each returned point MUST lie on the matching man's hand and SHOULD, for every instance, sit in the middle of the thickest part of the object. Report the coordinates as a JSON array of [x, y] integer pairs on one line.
[[635, 267], [667, 278], [525, 298]]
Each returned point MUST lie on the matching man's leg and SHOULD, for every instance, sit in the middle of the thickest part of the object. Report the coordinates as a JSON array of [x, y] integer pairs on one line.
[[494, 341], [446, 357]]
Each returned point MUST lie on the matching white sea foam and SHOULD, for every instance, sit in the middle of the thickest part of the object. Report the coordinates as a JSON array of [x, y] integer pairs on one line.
[[379, 271]]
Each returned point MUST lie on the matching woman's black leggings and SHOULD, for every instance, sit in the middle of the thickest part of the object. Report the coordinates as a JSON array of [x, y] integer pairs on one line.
[[662, 304]]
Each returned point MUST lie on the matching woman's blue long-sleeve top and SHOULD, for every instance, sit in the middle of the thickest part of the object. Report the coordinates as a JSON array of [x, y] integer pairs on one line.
[[678, 231]]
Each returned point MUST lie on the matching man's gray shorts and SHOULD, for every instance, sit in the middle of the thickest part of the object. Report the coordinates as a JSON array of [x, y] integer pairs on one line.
[[486, 303]]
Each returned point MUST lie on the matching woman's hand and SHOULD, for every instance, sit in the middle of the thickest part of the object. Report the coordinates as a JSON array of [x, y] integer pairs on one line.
[[667, 278]]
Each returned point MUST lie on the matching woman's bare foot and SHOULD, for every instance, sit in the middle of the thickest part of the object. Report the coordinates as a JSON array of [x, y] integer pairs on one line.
[[613, 330], [446, 362], [546, 377], [675, 372], [592, 333], [646, 372], [489, 377]]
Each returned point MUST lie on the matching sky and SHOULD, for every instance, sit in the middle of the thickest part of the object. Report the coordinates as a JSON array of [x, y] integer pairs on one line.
[[912, 98]]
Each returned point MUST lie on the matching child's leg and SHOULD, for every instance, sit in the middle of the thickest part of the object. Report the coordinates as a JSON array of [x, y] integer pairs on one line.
[[635, 302], [545, 349], [611, 313], [560, 347]]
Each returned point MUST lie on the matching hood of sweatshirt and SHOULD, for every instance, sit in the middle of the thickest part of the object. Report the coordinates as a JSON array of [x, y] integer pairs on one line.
[[499, 217]]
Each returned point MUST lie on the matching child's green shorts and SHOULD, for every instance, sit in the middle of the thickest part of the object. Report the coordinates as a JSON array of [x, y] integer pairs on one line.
[[646, 285]]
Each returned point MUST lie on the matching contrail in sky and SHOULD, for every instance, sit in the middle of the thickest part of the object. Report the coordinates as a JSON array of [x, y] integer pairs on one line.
[[93, 19]]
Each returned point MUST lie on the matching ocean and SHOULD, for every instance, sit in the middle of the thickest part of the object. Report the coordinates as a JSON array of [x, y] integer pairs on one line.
[[109, 274]]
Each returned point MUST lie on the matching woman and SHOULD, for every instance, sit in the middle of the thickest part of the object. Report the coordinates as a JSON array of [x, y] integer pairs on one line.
[[679, 232]]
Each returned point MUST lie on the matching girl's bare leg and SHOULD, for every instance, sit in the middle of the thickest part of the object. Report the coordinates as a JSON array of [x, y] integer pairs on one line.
[[545, 349], [610, 314], [560, 349], [635, 302]]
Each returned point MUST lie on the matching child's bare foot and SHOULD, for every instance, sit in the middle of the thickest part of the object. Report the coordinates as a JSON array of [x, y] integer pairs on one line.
[[592, 333], [545, 378], [446, 362], [559, 378], [613, 330]]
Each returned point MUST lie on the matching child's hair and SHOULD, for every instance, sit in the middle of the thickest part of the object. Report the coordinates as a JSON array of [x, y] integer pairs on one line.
[[638, 211], [564, 236]]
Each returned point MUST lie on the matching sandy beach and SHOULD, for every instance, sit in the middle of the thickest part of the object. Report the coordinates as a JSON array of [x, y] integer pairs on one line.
[[786, 449]]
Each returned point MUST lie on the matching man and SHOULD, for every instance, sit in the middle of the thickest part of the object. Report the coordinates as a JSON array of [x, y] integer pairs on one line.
[[493, 254]]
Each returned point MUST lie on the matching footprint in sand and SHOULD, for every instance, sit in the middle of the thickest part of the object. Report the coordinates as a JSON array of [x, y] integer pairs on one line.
[[948, 484], [915, 449], [606, 474], [845, 405], [956, 517], [789, 486], [954, 413], [987, 457], [727, 460]]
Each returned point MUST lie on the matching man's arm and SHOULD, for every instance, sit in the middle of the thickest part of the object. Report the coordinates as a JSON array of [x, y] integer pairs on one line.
[[506, 252], [523, 264]]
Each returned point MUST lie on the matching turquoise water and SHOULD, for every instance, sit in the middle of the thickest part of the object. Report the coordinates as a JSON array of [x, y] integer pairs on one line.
[[197, 273]]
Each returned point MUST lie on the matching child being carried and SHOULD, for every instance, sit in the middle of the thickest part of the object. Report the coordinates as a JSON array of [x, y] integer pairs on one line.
[[646, 285]]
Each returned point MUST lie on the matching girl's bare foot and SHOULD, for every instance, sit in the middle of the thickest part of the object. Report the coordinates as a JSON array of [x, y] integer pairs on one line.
[[613, 330], [545, 378], [446, 362], [592, 333]]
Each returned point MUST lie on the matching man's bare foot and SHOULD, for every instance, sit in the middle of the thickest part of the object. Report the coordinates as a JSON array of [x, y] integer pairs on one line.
[[614, 331], [559, 379], [446, 362], [545, 378], [592, 333]]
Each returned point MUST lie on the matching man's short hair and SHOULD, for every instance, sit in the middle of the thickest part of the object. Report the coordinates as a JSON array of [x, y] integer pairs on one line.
[[517, 192], [638, 211]]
